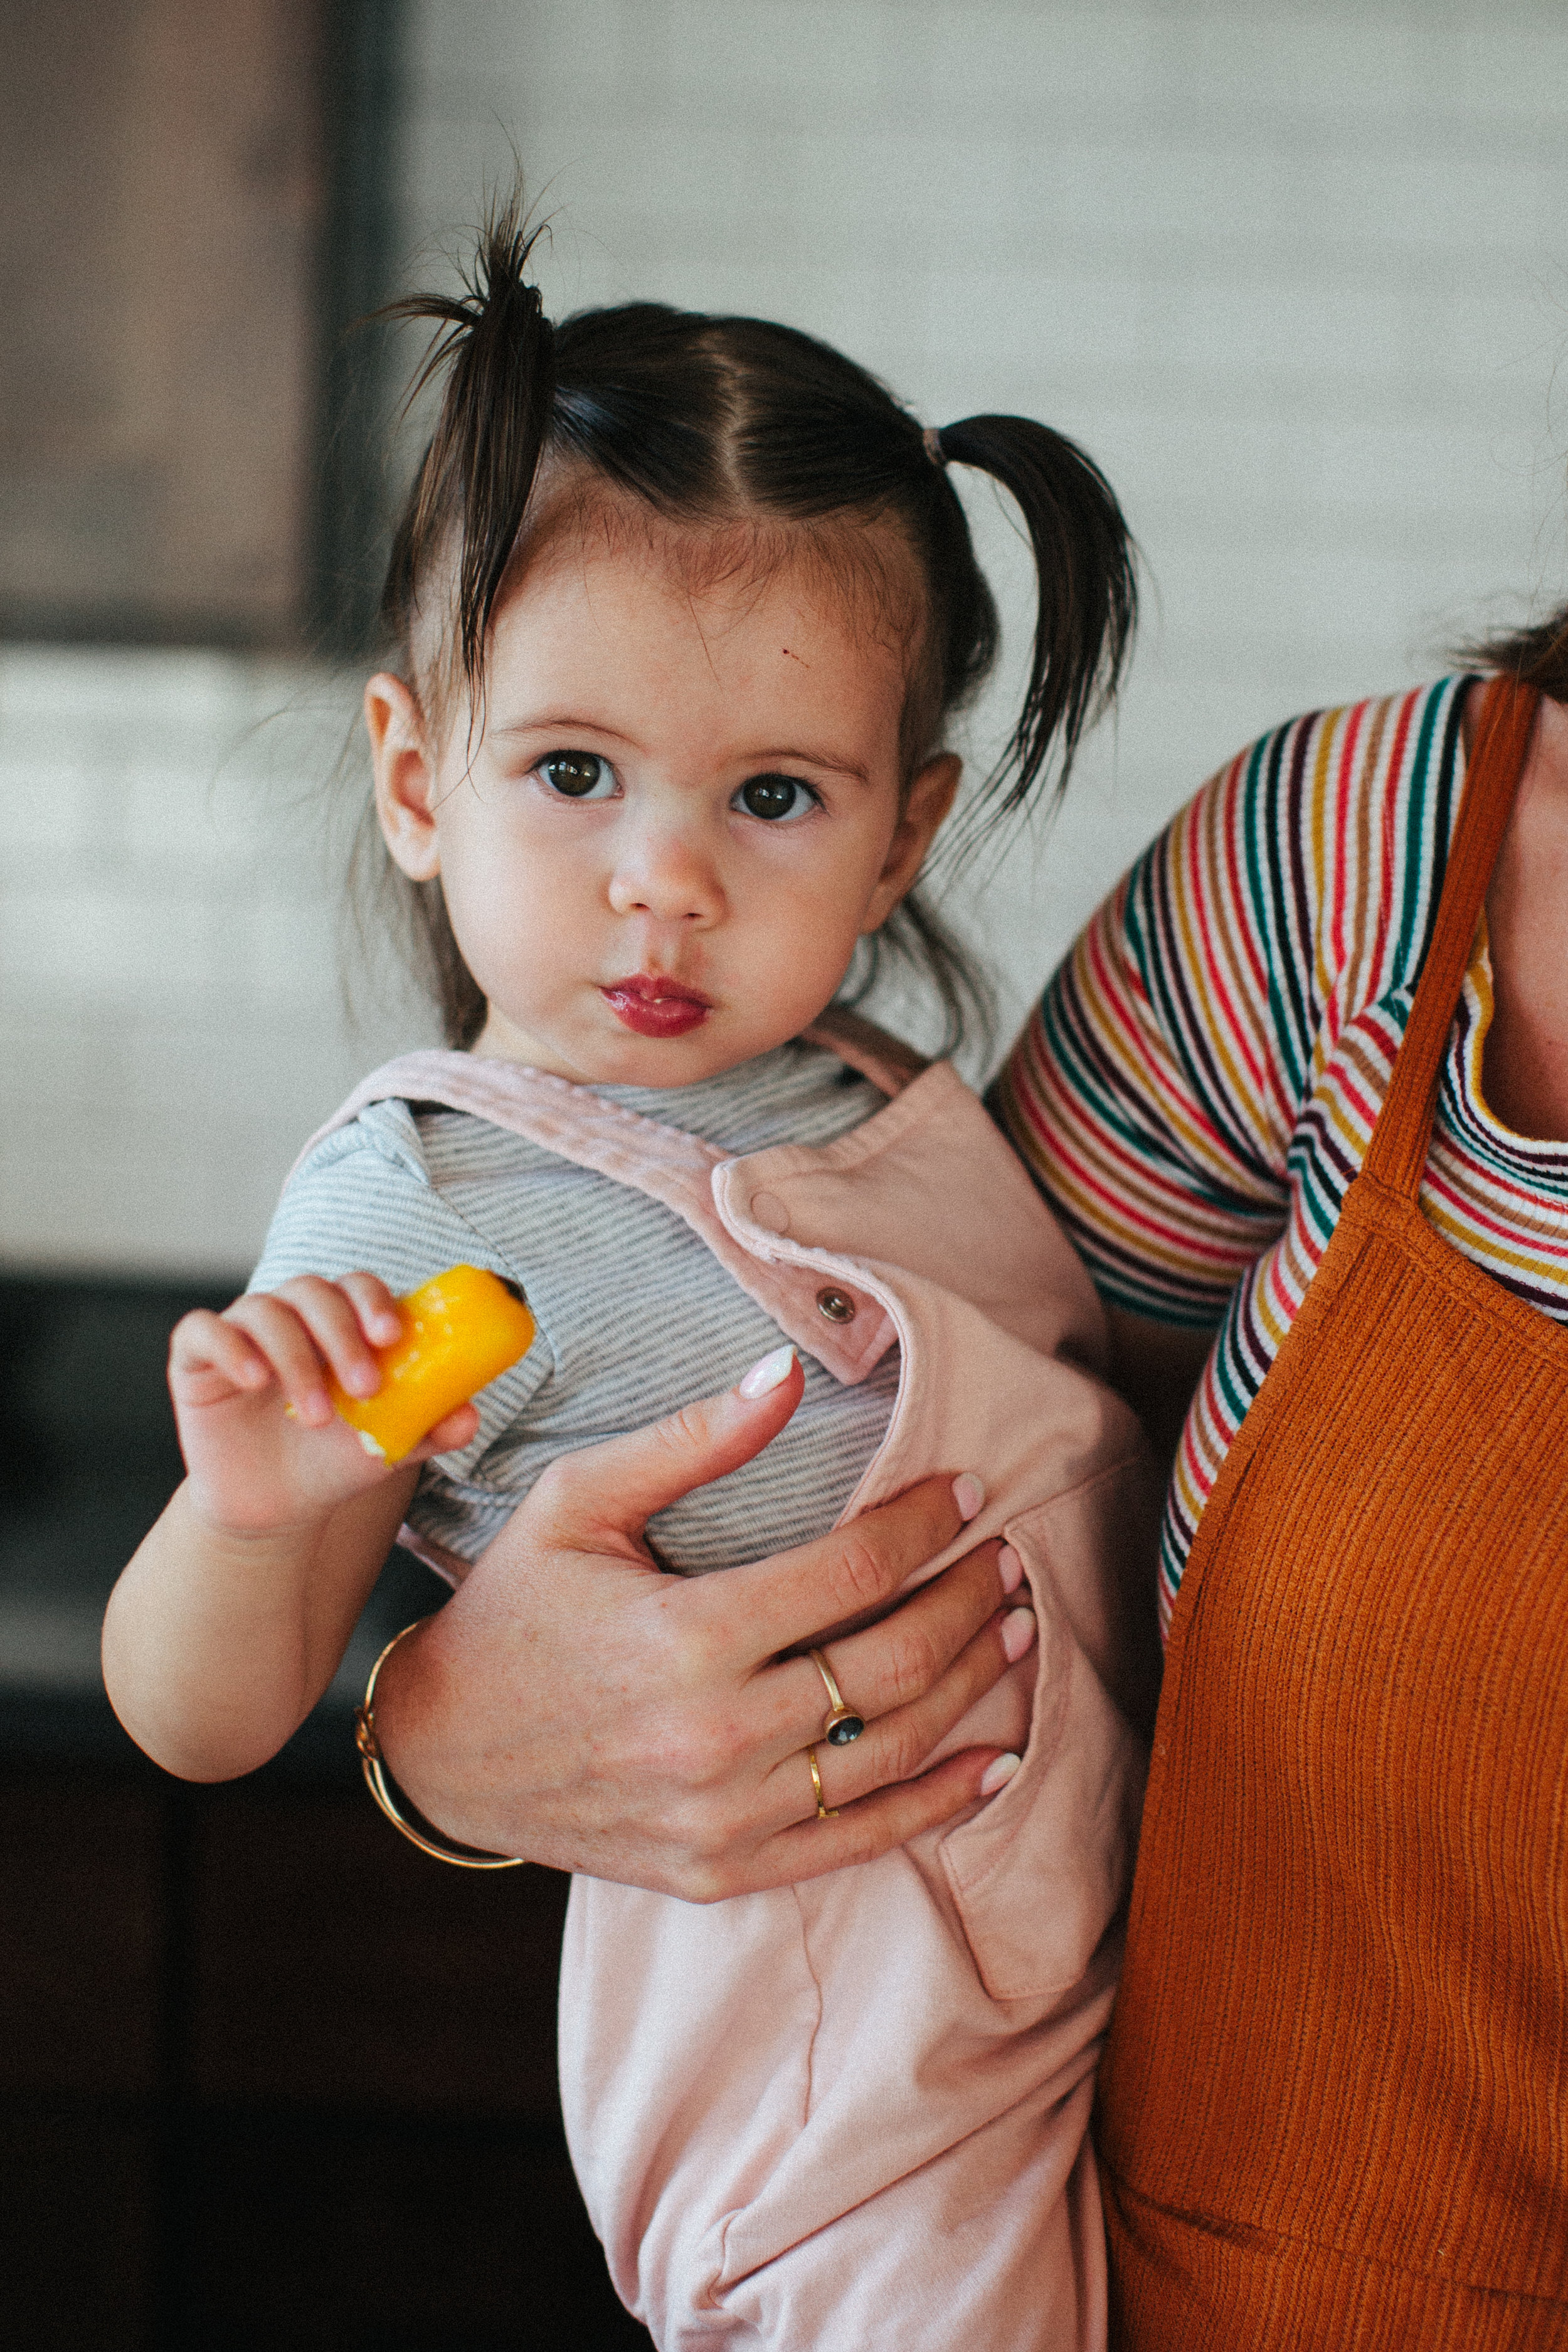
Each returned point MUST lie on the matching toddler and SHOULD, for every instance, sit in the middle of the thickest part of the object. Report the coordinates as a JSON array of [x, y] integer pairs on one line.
[[680, 609]]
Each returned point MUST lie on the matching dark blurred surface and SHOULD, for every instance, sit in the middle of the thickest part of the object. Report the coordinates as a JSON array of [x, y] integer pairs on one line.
[[90, 1459], [269, 2076]]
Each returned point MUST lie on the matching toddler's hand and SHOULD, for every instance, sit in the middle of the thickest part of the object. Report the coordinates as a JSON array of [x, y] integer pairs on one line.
[[264, 1448]]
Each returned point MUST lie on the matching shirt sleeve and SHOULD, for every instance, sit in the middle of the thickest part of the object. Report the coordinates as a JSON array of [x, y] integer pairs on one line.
[[364, 1199], [1178, 1083], [1154, 1093]]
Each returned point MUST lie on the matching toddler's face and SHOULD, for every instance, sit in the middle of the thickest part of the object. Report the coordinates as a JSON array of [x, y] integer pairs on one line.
[[683, 811]]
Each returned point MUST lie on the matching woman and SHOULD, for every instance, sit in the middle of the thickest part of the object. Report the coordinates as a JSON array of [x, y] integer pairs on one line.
[[1323, 1034], [1333, 2102]]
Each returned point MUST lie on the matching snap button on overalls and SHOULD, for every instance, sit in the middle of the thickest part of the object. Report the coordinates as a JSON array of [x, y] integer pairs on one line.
[[1333, 2109]]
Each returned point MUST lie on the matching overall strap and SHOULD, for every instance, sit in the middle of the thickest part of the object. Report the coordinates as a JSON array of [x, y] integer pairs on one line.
[[664, 1162], [887, 1061], [1403, 1132]]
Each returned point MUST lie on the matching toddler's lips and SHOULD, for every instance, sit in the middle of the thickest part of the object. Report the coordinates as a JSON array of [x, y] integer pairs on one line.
[[656, 1007]]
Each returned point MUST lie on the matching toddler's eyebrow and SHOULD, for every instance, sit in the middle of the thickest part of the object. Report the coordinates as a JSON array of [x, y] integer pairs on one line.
[[801, 755], [559, 722]]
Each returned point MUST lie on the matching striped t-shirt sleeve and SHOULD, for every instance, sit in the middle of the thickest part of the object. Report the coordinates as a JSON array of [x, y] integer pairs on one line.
[[1152, 1093], [1170, 1092], [363, 1200]]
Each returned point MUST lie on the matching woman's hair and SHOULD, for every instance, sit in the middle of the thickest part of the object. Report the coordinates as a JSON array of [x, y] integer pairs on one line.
[[1537, 655], [725, 421]]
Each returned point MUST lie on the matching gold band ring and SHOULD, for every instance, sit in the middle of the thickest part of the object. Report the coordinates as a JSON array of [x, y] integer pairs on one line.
[[840, 1725], [824, 1812]]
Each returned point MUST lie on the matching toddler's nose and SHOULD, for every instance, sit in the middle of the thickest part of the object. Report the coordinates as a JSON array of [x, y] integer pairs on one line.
[[665, 873]]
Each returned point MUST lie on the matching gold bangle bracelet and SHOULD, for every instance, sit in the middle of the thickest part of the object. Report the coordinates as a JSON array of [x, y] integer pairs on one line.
[[372, 1764]]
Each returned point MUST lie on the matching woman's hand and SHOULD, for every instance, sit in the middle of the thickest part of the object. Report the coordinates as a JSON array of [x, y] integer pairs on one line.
[[265, 1451], [575, 1705]]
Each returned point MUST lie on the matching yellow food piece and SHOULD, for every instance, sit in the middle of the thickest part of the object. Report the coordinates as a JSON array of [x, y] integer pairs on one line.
[[460, 1330]]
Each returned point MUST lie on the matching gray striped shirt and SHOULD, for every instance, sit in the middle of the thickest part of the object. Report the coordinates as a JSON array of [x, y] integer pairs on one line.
[[636, 1316]]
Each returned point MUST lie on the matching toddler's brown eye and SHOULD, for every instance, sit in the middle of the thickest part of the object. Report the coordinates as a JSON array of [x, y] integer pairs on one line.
[[579, 774], [775, 796]]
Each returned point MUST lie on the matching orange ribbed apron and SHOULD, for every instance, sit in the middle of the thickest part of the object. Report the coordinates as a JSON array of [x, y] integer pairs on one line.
[[1334, 2103]]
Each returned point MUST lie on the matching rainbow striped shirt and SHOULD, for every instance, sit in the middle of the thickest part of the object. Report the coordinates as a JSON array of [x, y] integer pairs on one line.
[[1199, 1086]]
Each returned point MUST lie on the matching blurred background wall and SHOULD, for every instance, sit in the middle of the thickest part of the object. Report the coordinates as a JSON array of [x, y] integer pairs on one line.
[[1296, 275]]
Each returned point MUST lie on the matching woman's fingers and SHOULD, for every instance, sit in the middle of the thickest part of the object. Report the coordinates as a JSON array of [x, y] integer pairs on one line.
[[900, 1659], [857, 1568], [601, 1498], [895, 1745], [863, 1831]]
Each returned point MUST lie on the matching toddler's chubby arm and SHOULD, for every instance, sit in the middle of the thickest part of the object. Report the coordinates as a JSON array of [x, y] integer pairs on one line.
[[234, 1613]]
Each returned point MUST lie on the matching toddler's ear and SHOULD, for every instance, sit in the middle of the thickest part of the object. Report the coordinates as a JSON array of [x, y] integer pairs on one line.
[[405, 776], [928, 802]]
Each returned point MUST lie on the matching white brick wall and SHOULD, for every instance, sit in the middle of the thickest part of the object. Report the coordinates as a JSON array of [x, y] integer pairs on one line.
[[171, 1020], [1297, 276]]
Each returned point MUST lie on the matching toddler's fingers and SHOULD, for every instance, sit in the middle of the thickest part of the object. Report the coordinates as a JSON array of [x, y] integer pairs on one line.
[[448, 1436], [205, 1342], [331, 1316], [282, 1336], [377, 1309]]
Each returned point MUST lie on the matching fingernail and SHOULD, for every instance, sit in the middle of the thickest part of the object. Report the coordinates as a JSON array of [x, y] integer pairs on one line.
[[385, 1329], [363, 1379], [1011, 1567], [1017, 1633], [997, 1774], [768, 1373], [968, 1494]]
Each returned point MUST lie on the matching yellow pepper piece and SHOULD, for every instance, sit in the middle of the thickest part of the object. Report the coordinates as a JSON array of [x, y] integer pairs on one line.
[[460, 1330]]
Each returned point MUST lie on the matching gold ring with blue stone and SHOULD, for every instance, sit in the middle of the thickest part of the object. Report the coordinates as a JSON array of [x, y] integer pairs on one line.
[[840, 1725]]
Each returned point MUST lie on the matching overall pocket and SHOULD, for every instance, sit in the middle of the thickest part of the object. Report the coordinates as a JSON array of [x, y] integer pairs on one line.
[[1039, 1873]]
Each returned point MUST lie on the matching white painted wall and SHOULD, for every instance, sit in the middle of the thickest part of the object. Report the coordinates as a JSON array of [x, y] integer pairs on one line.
[[1297, 276]]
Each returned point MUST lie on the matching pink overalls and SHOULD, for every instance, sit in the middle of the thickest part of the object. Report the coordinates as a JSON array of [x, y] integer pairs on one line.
[[853, 2114]]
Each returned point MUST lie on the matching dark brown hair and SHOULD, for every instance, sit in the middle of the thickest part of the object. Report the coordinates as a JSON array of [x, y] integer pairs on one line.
[[1537, 655], [719, 420]]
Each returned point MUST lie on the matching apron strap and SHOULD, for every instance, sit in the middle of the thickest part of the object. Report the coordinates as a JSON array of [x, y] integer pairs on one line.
[[1403, 1135]]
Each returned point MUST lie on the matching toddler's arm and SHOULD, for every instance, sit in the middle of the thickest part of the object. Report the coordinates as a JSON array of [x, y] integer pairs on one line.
[[233, 1616]]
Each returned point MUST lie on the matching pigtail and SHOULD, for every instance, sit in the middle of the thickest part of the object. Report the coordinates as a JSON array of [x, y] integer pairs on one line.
[[1088, 590], [496, 349], [712, 422]]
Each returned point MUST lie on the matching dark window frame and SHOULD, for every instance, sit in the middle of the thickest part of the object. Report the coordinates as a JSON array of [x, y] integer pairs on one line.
[[181, 564]]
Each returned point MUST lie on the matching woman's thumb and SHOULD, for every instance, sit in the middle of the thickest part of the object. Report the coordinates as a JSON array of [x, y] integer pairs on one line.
[[617, 1487]]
